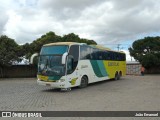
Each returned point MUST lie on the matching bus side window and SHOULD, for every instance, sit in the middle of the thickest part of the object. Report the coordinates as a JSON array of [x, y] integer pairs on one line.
[[74, 52], [70, 66], [112, 55], [121, 57], [107, 55], [85, 52], [100, 54], [117, 56], [82, 52]]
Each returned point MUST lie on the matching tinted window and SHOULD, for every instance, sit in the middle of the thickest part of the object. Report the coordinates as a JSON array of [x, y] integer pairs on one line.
[[94, 54], [122, 57], [58, 49], [74, 51], [85, 52]]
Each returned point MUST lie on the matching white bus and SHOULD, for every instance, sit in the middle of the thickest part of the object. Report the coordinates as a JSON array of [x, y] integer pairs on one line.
[[68, 64]]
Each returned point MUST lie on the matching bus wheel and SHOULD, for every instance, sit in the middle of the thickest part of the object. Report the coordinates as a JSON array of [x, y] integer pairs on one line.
[[84, 82], [116, 76], [120, 75]]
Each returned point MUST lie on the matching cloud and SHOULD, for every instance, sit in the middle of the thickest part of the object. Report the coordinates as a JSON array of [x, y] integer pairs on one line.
[[66, 9], [30, 28], [105, 21], [3, 21], [128, 57]]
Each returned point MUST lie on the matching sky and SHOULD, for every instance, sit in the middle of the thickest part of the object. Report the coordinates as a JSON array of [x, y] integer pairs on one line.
[[108, 22]]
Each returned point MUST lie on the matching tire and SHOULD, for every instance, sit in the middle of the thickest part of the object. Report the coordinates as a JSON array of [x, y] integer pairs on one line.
[[84, 82], [120, 75], [116, 76]]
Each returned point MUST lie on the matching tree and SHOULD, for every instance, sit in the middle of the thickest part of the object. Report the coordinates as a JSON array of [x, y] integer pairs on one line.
[[51, 37], [9, 51], [71, 37], [147, 51]]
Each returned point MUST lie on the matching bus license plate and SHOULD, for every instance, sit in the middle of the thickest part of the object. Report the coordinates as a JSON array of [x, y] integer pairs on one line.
[[48, 84], [44, 78]]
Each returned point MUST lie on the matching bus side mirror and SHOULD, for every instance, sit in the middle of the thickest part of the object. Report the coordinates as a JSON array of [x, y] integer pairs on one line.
[[64, 57], [32, 57]]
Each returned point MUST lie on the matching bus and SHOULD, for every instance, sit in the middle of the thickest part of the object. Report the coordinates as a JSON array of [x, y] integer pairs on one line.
[[69, 64]]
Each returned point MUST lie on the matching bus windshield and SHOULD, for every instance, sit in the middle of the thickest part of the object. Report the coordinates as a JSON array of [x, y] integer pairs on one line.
[[50, 60], [51, 65], [50, 50]]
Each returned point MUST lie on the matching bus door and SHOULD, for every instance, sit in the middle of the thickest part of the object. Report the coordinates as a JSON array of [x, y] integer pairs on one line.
[[72, 62]]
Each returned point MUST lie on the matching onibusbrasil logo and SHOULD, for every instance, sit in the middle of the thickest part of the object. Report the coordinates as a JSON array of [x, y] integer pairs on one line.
[[21, 114]]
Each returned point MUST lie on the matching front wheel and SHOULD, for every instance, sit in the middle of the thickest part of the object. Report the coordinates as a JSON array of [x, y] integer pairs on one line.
[[84, 82]]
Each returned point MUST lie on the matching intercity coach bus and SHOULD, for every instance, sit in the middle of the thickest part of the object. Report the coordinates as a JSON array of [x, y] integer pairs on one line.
[[68, 64]]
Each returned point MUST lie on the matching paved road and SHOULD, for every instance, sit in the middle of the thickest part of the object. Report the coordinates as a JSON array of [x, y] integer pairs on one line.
[[131, 93]]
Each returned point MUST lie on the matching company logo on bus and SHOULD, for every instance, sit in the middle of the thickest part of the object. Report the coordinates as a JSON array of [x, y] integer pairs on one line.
[[113, 63]]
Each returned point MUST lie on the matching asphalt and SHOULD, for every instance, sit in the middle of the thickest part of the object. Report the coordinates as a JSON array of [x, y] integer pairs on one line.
[[131, 93]]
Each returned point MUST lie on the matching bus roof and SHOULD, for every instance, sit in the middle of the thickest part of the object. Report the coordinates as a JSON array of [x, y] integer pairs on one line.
[[75, 43], [100, 47], [62, 43]]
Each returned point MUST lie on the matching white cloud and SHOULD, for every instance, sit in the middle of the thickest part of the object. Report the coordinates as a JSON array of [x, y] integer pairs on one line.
[[3, 15], [105, 21], [128, 57]]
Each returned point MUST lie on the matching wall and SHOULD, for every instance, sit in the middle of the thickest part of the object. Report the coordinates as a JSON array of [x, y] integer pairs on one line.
[[133, 69], [18, 71]]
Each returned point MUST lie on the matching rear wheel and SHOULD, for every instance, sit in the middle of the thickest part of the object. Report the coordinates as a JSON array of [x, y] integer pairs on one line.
[[117, 77], [84, 82], [120, 75]]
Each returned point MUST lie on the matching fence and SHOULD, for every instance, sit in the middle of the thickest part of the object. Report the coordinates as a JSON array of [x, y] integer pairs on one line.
[[31, 70], [18, 71]]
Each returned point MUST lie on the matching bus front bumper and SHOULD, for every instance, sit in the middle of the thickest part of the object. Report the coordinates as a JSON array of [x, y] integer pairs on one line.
[[52, 84]]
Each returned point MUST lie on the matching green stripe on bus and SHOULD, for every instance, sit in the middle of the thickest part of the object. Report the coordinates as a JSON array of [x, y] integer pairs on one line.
[[102, 68], [96, 68]]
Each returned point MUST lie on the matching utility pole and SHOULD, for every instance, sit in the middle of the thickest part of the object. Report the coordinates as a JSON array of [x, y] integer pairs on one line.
[[118, 46]]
